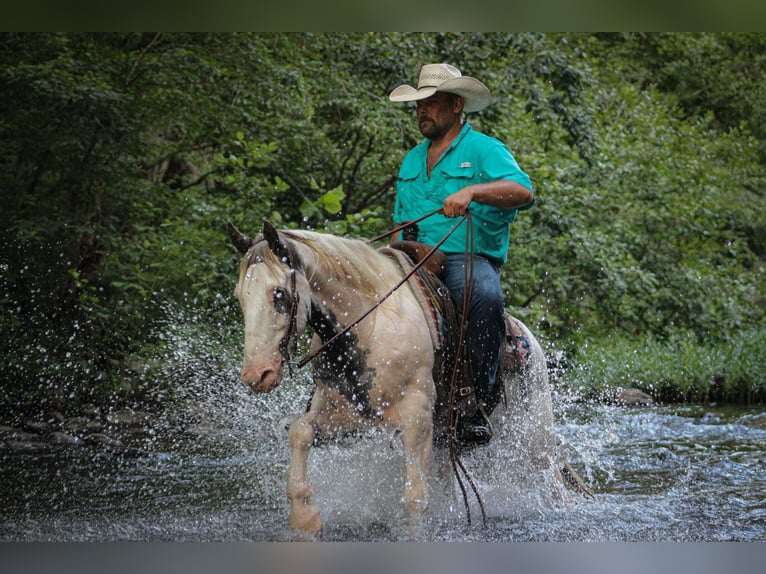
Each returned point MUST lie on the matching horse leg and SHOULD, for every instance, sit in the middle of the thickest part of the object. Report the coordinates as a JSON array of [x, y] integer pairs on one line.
[[304, 514], [417, 434]]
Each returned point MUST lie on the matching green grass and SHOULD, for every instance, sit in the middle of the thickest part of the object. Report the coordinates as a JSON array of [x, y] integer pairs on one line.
[[728, 370]]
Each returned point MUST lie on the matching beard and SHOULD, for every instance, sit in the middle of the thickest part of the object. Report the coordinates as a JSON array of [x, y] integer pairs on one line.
[[432, 129]]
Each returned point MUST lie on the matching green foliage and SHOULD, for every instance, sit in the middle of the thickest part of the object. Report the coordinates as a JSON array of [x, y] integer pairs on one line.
[[719, 73], [725, 369], [655, 236], [124, 155]]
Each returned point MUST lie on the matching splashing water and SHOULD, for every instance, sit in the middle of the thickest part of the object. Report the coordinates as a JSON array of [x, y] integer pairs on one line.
[[213, 465]]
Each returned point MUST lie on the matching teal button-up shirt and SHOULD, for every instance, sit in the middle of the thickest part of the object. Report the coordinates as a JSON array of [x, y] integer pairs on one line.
[[472, 158]]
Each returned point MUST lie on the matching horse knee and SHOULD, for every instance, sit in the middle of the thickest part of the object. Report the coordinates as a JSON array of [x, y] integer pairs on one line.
[[299, 491], [301, 433]]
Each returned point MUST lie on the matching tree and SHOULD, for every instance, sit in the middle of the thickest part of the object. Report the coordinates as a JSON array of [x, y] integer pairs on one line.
[[123, 156]]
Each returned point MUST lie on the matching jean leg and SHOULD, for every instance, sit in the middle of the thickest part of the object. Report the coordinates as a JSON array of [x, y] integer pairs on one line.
[[485, 326]]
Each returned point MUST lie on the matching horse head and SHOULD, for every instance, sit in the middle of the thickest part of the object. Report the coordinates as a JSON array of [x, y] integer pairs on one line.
[[275, 299]]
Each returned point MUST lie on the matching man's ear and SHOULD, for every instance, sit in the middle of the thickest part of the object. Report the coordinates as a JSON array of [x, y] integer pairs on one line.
[[458, 104]]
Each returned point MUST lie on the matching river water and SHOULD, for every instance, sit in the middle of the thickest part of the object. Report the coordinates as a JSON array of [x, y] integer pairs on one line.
[[214, 470]]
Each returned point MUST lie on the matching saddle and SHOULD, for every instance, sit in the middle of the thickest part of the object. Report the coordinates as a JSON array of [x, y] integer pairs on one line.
[[436, 264], [451, 372]]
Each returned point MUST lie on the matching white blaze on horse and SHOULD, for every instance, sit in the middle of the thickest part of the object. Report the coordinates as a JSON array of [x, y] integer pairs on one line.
[[380, 372]]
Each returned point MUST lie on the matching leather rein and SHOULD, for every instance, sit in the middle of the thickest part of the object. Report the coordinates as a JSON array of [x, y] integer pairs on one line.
[[287, 343], [404, 279]]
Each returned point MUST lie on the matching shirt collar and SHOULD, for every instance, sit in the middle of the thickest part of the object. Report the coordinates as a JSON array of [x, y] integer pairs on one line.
[[463, 131]]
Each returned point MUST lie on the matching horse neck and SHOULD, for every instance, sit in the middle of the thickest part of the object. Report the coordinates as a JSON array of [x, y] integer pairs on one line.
[[332, 292]]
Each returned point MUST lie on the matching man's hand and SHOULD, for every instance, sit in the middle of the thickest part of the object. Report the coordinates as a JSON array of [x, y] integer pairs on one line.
[[505, 194], [457, 203]]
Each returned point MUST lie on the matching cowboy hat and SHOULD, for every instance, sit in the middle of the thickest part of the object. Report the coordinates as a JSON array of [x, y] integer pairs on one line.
[[444, 78]]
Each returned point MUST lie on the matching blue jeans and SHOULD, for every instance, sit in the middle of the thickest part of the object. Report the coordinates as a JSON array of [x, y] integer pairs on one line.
[[485, 327]]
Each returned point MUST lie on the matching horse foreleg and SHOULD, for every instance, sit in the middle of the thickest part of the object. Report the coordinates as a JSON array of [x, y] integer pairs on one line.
[[417, 433], [304, 514]]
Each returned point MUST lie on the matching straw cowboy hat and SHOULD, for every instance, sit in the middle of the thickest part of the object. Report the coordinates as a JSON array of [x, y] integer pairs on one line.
[[444, 78]]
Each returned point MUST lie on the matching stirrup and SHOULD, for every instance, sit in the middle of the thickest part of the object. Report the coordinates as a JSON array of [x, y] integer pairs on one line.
[[474, 431]]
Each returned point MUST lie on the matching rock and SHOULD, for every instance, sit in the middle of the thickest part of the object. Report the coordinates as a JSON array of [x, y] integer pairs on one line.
[[36, 426], [756, 421], [127, 418], [100, 439], [82, 425], [56, 417], [198, 430], [25, 445], [22, 436], [91, 410], [59, 437], [633, 398], [709, 419], [620, 397], [207, 431]]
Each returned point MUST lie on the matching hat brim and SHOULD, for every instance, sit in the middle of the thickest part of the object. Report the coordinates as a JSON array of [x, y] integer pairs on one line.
[[475, 94]]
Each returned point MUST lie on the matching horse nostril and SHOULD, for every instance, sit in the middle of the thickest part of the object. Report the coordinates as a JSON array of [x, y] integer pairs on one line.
[[266, 375], [259, 380]]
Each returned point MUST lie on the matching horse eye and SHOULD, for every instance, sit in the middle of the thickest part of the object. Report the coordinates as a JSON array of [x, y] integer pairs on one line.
[[281, 300]]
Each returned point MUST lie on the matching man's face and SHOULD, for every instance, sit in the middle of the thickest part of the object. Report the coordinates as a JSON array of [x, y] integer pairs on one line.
[[438, 114]]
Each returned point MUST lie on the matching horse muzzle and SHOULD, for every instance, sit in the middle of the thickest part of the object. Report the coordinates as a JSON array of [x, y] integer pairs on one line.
[[262, 379]]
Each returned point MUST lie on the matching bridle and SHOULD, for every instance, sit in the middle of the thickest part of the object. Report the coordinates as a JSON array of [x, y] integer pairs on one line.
[[289, 339]]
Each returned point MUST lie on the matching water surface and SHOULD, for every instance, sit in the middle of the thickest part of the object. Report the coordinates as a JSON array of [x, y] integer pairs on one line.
[[662, 473]]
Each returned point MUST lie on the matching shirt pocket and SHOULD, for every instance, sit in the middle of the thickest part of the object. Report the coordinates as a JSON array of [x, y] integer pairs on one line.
[[453, 178], [408, 173], [407, 200]]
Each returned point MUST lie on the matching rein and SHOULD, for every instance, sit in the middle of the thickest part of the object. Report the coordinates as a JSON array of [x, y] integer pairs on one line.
[[418, 220], [457, 465], [391, 291]]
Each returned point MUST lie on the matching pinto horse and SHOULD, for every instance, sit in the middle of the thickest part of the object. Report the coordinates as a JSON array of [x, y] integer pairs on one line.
[[378, 372]]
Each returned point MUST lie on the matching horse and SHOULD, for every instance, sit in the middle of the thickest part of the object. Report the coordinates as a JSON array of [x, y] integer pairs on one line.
[[378, 371]]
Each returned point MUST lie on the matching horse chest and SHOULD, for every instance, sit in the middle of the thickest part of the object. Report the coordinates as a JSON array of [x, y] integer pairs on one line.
[[342, 365]]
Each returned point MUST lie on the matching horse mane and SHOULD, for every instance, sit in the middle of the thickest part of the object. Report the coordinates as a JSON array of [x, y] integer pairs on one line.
[[352, 262]]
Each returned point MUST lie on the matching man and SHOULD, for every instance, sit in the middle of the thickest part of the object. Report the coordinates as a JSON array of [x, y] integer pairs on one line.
[[458, 169]]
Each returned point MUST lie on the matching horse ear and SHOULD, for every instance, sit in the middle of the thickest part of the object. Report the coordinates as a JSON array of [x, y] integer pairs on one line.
[[279, 247], [241, 241]]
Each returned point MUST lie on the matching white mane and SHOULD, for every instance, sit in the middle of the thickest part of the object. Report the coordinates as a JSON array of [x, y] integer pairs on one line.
[[352, 262]]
